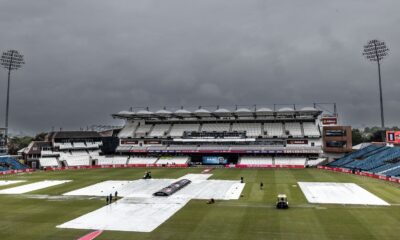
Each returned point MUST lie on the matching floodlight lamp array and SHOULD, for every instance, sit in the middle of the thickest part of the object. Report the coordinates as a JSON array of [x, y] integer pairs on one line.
[[375, 50], [12, 60]]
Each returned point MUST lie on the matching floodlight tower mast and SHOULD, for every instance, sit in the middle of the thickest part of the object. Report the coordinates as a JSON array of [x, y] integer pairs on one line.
[[375, 51], [10, 60]]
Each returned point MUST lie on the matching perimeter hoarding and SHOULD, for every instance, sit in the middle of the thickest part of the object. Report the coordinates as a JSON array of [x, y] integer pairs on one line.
[[327, 121]]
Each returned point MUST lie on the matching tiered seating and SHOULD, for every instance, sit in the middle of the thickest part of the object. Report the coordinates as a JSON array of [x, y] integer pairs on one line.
[[103, 160], [310, 129], [79, 145], [315, 162], [64, 146], [159, 130], [215, 127], [374, 160], [120, 159], [178, 129], [45, 153], [63, 156], [395, 172], [391, 161], [352, 156], [299, 161], [115, 160], [273, 129], [251, 129], [142, 160], [79, 153], [294, 129], [384, 168], [93, 144], [48, 162], [128, 130], [94, 153], [73, 161], [173, 160], [142, 130], [256, 160], [9, 163]]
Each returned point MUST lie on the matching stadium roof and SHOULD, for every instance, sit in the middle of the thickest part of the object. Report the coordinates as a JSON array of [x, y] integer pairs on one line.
[[183, 112], [202, 112], [74, 135], [286, 109], [35, 147], [308, 109], [218, 113], [163, 112]]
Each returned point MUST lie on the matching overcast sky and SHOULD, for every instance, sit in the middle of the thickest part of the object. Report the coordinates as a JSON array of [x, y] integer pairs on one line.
[[87, 59]]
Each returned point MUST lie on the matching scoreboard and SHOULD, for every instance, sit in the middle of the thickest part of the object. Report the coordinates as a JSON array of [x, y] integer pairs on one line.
[[393, 137], [214, 160]]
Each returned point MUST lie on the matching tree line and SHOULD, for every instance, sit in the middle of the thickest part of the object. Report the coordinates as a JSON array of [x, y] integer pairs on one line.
[[370, 134]]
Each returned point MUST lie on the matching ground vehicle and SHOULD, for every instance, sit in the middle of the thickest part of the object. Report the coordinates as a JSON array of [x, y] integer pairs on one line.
[[282, 202], [147, 175]]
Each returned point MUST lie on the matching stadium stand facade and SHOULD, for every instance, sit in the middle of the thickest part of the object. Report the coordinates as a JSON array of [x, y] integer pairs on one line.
[[65, 149], [377, 159], [257, 137]]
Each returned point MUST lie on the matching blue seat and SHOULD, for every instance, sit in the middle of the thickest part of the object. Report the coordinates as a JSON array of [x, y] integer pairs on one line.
[[373, 159], [9, 163], [352, 156]]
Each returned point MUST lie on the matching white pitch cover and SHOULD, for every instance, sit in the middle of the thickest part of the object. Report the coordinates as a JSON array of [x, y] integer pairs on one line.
[[339, 193], [139, 210], [32, 187]]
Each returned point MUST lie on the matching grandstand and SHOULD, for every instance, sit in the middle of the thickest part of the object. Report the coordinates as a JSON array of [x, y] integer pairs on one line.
[[382, 160], [289, 136], [175, 160], [8, 163], [296, 161], [274, 129], [256, 161], [251, 161], [159, 130], [293, 129], [49, 162], [142, 160], [111, 160], [259, 137], [67, 149], [178, 129]]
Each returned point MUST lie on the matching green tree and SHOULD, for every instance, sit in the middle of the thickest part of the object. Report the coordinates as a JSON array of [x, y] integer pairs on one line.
[[40, 136], [17, 143], [357, 136]]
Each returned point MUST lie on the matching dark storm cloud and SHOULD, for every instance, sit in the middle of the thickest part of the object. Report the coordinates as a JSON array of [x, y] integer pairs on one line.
[[88, 59]]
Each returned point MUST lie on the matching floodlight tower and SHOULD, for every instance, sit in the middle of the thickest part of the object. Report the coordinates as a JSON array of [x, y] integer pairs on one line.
[[375, 51], [10, 60]]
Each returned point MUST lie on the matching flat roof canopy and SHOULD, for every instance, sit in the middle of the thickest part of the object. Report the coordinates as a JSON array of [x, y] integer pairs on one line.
[[202, 113]]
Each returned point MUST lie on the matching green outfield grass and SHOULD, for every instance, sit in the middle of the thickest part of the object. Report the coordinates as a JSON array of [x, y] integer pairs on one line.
[[251, 217]]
